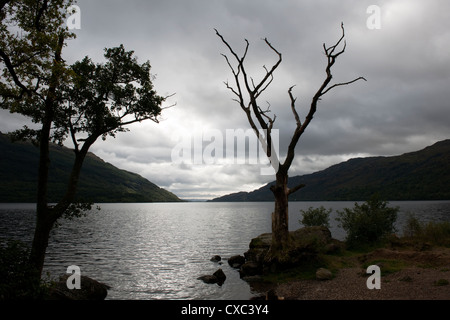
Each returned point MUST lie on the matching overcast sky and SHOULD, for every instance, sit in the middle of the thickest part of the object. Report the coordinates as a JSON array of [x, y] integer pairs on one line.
[[404, 105]]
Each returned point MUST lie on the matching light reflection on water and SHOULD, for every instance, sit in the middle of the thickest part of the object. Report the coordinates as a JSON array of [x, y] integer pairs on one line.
[[157, 251]]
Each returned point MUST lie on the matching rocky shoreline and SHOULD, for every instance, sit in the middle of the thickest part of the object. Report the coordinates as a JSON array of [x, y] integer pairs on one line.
[[306, 243], [90, 289], [408, 272], [253, 265]]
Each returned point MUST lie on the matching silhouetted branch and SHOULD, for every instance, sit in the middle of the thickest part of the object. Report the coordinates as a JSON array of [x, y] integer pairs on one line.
[[9, 65], [294, 111], [331, 59], [343, 84], [253, 89]]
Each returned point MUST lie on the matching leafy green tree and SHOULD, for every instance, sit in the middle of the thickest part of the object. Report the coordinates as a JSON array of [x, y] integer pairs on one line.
[[369, 222], [82, 102], [316, 217]]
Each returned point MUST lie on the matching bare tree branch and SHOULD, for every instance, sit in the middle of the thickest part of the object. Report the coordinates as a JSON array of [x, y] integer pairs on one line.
[[324, 88], [231, 49], [343, 84], [265, 86], [229, 64], [269, 74], [269, 119], [294, 111], [253, 90], [329, 51]]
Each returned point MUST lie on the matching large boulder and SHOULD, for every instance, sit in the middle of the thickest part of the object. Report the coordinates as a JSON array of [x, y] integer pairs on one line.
[[258, 248], [305, 244], [236, 261], [90, 289], [250, 268], [318, 236]]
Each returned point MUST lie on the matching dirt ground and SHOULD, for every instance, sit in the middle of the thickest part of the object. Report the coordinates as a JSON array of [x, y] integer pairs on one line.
[[423, 275]]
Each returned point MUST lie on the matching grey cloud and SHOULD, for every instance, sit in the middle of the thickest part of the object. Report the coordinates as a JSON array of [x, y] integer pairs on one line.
[[402, 107]]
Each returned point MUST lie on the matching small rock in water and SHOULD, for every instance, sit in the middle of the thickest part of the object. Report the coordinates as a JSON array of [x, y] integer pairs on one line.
[[208, 278], [220, 275], [217, 277], [216, 258]]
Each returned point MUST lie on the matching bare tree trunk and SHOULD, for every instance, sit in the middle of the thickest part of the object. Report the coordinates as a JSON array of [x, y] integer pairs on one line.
[[280, 215]]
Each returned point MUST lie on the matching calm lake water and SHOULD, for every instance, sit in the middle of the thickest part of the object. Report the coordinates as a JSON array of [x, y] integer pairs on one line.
[[157, 250]]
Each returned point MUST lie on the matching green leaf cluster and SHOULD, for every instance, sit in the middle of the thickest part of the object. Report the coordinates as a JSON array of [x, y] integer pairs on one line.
[[369, 222], [316, 217], [83, 101], [432, 232], [18, 280], [103, 98], [30, 33]]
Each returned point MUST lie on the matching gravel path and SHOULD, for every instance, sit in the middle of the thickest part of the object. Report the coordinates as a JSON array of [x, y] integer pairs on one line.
[[425, 277], [350, 284]]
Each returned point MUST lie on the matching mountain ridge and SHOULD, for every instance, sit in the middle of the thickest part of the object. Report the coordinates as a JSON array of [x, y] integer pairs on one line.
[[417, 175], [100, 181]]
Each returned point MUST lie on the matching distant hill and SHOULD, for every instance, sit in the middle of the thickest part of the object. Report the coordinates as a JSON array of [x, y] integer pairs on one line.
[[420, 175], [99, 181]]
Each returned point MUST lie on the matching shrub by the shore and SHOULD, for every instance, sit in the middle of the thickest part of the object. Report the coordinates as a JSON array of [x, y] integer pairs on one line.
[[368, 223]]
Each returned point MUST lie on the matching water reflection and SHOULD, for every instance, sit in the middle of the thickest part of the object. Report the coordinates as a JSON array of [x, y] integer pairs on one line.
[[157, 251]]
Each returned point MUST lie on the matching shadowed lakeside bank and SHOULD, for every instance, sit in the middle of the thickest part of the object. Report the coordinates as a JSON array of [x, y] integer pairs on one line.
[[414, 266]]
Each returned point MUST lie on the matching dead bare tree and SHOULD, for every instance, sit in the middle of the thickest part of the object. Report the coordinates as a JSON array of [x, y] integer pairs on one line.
[[247, 93]]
